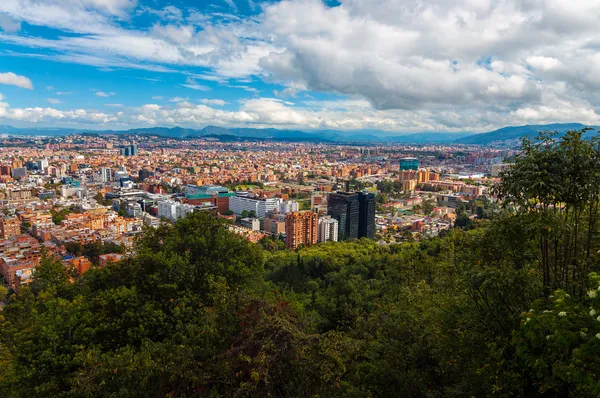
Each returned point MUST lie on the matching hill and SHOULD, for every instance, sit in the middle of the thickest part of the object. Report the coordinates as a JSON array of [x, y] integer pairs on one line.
[[229, 134], [517, 133]]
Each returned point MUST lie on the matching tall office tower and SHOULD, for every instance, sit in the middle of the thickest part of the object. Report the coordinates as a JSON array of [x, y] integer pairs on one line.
[[344, 207], [328, 229], [355, 212], [106, 174], [409, 164], [133, 149], [366, 218], [301, 229]]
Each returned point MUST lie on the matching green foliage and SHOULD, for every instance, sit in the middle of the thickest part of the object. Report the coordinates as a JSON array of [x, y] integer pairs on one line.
[[93, 250]]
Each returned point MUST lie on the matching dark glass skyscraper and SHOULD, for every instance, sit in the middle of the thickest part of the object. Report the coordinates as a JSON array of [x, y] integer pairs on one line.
[[355, 212], [366, 216], [344, 207]]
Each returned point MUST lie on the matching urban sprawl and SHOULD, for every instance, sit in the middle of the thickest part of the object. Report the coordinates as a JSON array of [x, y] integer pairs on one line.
[[85, 198]]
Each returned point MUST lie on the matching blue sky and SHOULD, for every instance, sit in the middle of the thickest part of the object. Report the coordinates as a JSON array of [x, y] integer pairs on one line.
[[393, 65]]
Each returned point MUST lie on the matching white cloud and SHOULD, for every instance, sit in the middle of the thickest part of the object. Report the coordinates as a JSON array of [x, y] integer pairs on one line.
[[178, 99], [54, 101], [65, 92], [9, 24], [12, 79], [543, 63], [231, 4], [453, 64], [192, 84], [158, 97], [103, 94], [213, 102]]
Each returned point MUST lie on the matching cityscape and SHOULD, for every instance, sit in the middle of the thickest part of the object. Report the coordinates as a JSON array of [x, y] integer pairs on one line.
[[299, 198], [83, 189]]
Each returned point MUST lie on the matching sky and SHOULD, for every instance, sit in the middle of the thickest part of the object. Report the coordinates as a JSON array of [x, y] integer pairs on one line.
[[391, 65]]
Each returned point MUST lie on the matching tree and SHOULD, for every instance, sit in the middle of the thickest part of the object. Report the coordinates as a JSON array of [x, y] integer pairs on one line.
[[555, 186], [463, 221]]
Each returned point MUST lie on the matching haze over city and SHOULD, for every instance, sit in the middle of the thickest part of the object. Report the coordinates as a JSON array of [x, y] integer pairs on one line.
[[396, 66]]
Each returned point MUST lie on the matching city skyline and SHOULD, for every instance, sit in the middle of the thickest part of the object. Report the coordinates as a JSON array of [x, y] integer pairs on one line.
[[302, 64]]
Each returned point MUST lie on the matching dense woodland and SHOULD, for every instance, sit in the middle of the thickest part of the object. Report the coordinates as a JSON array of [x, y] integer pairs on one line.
[[505, 309]]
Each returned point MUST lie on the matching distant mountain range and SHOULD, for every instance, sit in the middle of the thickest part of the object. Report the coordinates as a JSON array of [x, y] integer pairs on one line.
[[229, 134], [504, 135], [516, 133]]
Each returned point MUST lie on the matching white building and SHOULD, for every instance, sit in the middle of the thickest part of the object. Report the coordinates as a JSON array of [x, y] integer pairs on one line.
[[328, 229], [133, 209], [172, 210], [260, 206], [106, 174], [42, 164], [167, 209], [183, 210], [288, 206]]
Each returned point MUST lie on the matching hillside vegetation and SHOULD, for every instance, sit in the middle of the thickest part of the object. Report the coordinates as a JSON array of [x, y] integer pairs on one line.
[[507, 309]]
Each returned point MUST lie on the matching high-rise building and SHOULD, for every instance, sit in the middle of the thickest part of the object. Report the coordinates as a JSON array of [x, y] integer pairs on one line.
[[129, 150], [355, 212], [344, 207], [145, 173], [328, 229], [106, 174], [366, 217], [301, 229], [409, 164]]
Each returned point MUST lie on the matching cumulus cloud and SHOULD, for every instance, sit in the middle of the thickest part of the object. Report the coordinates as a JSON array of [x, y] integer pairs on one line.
[[452, 64], [53, 101], [12, 79]]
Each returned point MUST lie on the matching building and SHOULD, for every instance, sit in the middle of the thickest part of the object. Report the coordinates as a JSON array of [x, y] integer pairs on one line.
[[214, 194], [129, 150], [274, 223], [9, 226], [251, 223], [344, 207], [106, 174], [260, 206], [355, 212], [21, 194], [133, 209], [144, 174], [81, 264], [301, 229], [409, 164], [288, 206], [19, 172], [167, 209], [328, 229], [366, 216]]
